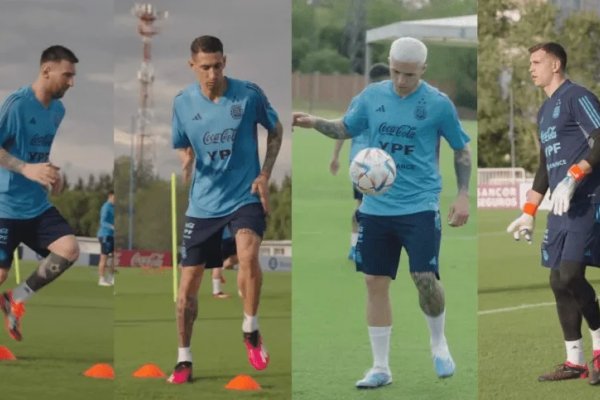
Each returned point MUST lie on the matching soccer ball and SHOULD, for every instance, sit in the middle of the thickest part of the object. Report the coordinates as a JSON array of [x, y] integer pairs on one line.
[[372, 171]]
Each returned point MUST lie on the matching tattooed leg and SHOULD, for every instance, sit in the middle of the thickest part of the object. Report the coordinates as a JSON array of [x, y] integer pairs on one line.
[[187, 303], [431, 293]]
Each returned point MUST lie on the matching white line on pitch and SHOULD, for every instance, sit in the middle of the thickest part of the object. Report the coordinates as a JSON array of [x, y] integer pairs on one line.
[[515, 308]]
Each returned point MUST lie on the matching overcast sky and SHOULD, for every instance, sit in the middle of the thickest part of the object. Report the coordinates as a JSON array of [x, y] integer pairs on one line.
[[84, 143], [257, 40]]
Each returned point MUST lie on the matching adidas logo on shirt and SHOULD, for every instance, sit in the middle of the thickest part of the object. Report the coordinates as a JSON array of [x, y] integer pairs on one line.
[[381, 109], [197, 117]]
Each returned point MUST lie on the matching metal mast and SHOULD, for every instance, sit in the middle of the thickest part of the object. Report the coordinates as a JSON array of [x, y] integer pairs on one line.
[[147, 14]]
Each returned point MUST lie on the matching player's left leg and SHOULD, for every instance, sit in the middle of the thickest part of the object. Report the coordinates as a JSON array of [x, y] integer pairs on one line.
[[422, 243], [51, 236], [250, 276], [248, 225]]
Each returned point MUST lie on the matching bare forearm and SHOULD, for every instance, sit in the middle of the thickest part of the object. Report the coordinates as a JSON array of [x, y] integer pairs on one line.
[[337, 148], [274, 140], [10, 162], [334, 129], [462, 168]]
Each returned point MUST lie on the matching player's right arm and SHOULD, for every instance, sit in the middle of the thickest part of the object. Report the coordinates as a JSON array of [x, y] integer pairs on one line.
[[525, 223], [334, 165], [187, 157], [182, 144], [45, 174], [334, 128]]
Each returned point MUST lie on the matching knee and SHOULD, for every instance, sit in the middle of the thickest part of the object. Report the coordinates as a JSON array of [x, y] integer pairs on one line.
[[69, 249], [377, 285]]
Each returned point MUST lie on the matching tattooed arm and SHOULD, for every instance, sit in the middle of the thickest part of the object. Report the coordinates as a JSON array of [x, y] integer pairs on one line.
[[10, 162], [261, 183], [334, 128], [459, 211], [274, 139], [45, 174]]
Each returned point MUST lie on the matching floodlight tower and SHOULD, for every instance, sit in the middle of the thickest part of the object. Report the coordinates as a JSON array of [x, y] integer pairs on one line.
[[147, 14]]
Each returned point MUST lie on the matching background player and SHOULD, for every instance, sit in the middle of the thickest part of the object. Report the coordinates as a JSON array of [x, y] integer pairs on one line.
[[406, 117], [29, 120], [106, 237], [217, 121], [569, 126], [378, 72]]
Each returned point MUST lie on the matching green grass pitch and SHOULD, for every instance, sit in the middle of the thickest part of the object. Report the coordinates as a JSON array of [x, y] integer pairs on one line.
[[145, 332], [330, 343], [67, 327], [517, 345]]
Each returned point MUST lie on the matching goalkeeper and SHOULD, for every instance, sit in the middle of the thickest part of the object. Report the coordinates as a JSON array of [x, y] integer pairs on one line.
[[569, 128]]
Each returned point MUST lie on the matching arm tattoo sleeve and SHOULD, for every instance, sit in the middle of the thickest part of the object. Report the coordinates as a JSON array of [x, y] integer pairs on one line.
[[274, 139], [334, 129], [462, 167], [10, 162]]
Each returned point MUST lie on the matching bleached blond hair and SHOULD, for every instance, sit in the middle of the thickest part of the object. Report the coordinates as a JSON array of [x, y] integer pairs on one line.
[[408, 49]]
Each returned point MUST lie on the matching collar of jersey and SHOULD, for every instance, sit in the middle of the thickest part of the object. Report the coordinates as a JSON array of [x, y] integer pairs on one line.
[[221, 99]]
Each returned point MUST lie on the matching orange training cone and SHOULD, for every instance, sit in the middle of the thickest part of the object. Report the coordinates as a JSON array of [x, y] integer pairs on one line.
[[242, 382], [149, 371], [6, 354], [100, 371]]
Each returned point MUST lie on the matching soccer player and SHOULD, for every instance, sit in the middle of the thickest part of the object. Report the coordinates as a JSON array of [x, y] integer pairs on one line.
[[29, 120], [378, 72], [407, 117], [569, 129], [106, 236], [216, 119]]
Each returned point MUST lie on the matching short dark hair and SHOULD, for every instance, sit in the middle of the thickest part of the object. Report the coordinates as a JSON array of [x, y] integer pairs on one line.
[[552, 48], [206, 44], [111, 192], [58, 53], [379, 72]]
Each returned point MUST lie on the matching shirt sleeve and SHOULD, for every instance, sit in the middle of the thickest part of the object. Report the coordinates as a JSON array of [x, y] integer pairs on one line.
[[585, 109], [179, 137], [356, 120], [265, 114], [451, 128], [9, 121]]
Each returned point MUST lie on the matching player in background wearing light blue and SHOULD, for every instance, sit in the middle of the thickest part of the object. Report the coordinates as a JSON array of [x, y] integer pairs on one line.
[[377, 72], [569, 129], [29, 120], [106, 237], [406, 117], [214, 125]]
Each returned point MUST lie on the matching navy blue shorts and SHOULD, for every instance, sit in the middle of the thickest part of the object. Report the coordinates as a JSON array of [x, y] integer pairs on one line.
[[573, 237], [37, 233], [202, 236], [107, 244], [381, 239], [228, 248]]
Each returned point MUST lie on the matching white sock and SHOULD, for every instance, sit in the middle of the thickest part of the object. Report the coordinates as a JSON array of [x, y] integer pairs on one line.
[[380, 346], [439, 346], [22, 293], [216, 286], [575, 352], [595, 339], [353, 239], [250, 323], [184, 354]]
